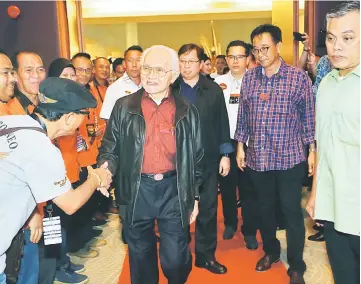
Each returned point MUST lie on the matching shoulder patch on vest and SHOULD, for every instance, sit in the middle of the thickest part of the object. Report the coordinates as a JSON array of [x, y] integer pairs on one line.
[[223, 86]]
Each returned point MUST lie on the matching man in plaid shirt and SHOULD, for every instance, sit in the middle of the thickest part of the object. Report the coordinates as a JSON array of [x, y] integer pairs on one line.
[[276, 117]]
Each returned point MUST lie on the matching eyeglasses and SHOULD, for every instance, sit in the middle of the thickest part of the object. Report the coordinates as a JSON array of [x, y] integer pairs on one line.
[[81, 70], [236, 57], [263, 50], [158, 71], [190, 62]]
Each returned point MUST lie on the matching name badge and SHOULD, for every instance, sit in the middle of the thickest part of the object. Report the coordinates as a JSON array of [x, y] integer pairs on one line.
[[234, 98], [81, 144], [91, 129], [52, 231], [264, 96]]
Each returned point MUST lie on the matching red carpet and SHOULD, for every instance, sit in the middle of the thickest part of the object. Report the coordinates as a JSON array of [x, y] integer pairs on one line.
[[239, 261]]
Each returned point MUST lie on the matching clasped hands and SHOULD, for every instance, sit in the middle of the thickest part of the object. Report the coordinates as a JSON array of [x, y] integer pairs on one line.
[[104, 177]]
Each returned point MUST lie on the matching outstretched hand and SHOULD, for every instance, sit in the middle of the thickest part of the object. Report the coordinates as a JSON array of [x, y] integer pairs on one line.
[[104, 177]]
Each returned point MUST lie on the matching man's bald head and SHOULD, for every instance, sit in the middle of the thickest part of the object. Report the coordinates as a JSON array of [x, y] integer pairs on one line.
[[7, 78], [101, 68]]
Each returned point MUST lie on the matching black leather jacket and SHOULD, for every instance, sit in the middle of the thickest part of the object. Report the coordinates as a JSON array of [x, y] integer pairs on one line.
[[123, 145], [213, 115]]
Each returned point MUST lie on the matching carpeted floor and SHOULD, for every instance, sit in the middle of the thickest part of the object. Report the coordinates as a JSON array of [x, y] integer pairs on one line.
[[105, 268], [239, 261], [113, 261]]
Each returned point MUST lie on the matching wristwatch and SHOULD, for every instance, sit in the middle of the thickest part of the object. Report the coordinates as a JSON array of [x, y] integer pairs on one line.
[[197, 198], [225, 155]]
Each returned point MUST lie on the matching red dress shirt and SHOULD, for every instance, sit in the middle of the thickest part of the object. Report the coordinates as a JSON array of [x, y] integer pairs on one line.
[[160, 142]]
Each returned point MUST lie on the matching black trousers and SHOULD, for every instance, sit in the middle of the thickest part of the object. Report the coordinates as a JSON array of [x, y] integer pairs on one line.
[[289, 185], [250, 214], [157, 201], [228, 186], [206, 224], [53, 256], [344, 254], [47, 262], [80, 230]]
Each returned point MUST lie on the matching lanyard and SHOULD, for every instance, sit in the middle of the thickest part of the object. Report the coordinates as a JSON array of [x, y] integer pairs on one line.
[[96, 86], [34, 116], [49, 203], [42, 124], [99, 94]]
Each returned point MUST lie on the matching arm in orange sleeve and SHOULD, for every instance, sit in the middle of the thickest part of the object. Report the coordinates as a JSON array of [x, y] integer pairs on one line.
[[68, 147]]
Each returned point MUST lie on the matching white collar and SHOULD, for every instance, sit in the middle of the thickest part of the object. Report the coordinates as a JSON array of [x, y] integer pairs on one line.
[[233, 78]]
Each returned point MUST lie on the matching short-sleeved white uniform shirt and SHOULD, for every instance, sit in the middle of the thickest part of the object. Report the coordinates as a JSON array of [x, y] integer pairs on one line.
[[31, 171], [122, 87]]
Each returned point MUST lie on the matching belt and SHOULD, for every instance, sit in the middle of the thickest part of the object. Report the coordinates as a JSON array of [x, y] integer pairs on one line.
[[161, 176]]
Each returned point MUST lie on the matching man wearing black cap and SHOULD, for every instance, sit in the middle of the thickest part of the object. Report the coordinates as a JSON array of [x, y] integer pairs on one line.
[[66, 271], [29, 73], [39, 175]]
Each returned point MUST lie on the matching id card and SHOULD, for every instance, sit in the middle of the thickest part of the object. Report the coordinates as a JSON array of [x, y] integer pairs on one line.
[[81, 144], [52, 231], [264, 96], [91, 130], [234, 98]]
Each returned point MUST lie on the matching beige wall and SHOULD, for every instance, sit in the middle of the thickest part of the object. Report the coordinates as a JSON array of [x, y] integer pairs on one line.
[[104, 40], [301, 29], [282, 16], [109, 40], [177, 33]]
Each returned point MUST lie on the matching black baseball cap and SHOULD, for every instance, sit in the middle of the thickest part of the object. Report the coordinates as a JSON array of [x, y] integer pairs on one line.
[[64, 96]]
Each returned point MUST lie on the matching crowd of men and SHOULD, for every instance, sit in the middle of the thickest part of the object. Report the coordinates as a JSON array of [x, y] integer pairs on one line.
[[166, 133]]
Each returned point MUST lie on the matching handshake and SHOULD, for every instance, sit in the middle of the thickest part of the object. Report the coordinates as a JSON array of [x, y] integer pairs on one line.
[[103, 176]]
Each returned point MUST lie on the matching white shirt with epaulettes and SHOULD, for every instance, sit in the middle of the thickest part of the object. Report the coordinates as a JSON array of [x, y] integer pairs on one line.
[[231, 89], [122, 87]]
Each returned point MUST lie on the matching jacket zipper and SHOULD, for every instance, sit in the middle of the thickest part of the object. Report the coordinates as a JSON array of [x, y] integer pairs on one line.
[[140, 172], [176, 165]]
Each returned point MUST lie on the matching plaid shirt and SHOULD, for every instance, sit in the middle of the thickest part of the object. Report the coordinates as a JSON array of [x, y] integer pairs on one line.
[[277, 115]]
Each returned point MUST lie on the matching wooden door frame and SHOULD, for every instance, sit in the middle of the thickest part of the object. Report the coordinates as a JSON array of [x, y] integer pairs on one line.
[[310, 23], [67, 21], [63, 29], [296, 22]]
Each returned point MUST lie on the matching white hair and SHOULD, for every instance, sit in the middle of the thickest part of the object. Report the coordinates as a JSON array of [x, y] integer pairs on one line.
[[173, 54]]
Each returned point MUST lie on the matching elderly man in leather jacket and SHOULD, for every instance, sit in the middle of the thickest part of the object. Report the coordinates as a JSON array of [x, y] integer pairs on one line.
[[153, 147]]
